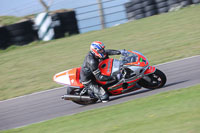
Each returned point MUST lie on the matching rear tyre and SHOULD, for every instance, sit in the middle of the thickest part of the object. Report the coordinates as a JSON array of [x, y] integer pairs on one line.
[[74, 91], [158, 80]]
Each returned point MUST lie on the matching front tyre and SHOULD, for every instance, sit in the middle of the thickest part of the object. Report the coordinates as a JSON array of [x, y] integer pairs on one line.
[[158, 80]]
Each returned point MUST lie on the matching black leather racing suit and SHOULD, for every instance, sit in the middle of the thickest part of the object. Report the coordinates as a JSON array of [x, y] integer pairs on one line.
[[90, 72]]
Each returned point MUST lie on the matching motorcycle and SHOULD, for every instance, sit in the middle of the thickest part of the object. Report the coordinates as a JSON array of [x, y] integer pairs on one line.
[[134, 68]]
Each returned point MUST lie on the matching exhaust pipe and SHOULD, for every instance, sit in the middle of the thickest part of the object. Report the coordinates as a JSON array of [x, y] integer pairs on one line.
[[76, 98]]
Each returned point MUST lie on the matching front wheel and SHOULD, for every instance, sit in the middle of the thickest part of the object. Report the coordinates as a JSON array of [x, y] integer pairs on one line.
[[157, 80]]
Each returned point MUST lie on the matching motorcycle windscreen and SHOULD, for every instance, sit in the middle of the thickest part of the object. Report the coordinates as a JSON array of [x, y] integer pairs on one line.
[[116, 67]]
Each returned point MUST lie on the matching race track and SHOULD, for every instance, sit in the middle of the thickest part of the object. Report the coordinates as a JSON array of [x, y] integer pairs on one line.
[[46, 105]]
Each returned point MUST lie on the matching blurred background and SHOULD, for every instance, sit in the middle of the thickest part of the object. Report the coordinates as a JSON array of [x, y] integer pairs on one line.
[[23, 22], [87, 11]]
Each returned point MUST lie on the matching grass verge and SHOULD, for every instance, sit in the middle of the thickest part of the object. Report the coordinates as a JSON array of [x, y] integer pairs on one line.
[[170, 112], [7, 20], [160, 38]]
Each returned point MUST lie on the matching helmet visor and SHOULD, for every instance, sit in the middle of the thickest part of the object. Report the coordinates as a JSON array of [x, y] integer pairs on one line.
[[101, 53]]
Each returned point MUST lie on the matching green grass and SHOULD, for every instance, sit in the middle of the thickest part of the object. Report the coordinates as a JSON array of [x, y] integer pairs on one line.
[[161, 38], [170, 112], [7, 20]]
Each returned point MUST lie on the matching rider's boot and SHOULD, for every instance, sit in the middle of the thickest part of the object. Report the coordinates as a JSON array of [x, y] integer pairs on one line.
[[99, 92]]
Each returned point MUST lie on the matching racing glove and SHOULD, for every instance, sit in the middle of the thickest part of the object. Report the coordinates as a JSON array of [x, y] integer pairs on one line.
[[119, 76], [124, 52]]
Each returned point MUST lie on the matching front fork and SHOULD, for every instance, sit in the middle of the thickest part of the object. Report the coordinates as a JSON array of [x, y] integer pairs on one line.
[[147, 78], [150, 70]]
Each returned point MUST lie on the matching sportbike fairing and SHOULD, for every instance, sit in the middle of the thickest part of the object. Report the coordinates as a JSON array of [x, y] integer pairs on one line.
[[130, 72], [134, 60], [109, 66], [70, 78], [134, 65]]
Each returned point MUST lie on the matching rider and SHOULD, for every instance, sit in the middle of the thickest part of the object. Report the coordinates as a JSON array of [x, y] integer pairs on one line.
[[90, 70]]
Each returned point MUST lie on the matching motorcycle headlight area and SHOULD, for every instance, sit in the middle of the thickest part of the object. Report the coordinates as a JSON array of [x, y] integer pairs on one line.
[[116, 67]]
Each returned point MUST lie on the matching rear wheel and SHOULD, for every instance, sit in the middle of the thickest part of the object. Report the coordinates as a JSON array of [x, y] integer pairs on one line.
[[157, 80], [74, 91]]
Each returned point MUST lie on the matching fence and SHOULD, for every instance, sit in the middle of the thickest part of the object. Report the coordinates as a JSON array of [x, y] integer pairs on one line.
[[114, 13], [124, 10]]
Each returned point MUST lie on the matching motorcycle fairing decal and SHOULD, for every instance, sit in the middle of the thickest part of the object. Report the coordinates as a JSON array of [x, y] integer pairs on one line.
[[141, 61], [62, 78], [151, 69], [60, 74], [101, 82], [116, 92], [117, 89], [106, 66], [133, 81], [131, 86], [74, 76]]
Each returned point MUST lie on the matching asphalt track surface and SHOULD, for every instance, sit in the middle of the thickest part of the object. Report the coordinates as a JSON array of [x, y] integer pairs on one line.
[[41, 106]]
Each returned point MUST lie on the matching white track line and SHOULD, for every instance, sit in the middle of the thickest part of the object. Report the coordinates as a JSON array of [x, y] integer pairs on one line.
[[62, 87], [178, 60]]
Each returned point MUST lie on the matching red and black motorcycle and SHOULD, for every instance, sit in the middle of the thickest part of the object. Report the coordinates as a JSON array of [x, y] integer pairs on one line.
[[135, 70]]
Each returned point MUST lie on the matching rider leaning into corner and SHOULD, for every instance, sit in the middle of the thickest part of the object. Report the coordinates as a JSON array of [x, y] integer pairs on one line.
[[90, 71]]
